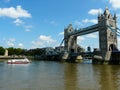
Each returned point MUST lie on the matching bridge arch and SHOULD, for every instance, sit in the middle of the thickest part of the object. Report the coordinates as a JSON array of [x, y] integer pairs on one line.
[[113, 48]]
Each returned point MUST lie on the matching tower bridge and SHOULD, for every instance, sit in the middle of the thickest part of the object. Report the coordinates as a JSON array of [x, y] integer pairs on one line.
[[108, 31]]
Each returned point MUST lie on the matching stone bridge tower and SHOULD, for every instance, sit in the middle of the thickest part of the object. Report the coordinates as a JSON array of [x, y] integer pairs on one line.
[[107, 37], [107, 34], [70, 40]]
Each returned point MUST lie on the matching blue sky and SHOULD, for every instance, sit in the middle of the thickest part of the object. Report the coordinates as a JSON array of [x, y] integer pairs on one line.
[[40, 23]]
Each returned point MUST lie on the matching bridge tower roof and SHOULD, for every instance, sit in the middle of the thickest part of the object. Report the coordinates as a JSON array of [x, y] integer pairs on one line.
[[106, 12]]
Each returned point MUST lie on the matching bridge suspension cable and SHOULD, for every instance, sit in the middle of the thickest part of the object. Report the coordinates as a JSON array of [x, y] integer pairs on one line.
[[115, 30], [118, 29], [62, 42]]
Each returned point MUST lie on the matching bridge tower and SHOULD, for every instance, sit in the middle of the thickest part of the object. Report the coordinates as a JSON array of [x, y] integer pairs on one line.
[[70, 40], [107, 37]]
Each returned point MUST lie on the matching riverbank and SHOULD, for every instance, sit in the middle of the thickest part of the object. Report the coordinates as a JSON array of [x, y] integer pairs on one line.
[[12, 57]]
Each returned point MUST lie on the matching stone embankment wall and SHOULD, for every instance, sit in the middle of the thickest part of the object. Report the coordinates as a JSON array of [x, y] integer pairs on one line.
[[12, 57]]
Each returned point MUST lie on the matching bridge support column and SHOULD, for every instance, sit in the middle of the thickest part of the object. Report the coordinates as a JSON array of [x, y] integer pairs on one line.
[[102, 57]]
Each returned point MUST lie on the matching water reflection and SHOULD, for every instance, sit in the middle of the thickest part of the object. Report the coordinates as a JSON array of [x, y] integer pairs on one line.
[[70, 76], [108, 76]]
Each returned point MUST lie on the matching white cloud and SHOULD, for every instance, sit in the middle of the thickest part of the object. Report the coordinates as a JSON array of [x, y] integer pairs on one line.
[[119, 43], [118, 16], [12, 12], [10, 42], [16, 13], [95, 11], [92, 35], [53, 23], [21, 45], [78, 24], [90, 21], [7, 0], [18, 22], [46, 39], [118, 20], [115, 3], [12, 39], [61, 33], [37, 44], [80, 39], [28, 28], [43, 41]]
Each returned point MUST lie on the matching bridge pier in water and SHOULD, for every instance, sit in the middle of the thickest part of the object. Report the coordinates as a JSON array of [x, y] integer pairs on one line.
[[101, 57], [107, 58]]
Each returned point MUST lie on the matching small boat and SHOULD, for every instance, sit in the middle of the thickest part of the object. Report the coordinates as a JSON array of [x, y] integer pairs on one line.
[[18, 61]]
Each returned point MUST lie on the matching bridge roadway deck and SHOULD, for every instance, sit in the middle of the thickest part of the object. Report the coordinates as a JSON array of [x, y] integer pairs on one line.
[[87, 30], [85, 55], [82, 53]]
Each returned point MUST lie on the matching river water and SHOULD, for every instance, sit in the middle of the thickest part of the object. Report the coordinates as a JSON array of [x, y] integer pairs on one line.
[[50, 75]]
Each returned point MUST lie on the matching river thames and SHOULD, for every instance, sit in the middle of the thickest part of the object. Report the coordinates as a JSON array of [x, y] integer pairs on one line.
[[50, 75]]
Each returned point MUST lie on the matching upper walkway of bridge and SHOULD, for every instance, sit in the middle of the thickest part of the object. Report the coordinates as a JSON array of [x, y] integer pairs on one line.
[[87, 30]]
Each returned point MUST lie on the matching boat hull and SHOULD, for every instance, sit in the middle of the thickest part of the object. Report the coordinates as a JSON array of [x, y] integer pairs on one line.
[[18, 62]]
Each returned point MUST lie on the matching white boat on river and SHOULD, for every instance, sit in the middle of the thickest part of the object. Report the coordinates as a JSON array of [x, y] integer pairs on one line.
[[18, 61]]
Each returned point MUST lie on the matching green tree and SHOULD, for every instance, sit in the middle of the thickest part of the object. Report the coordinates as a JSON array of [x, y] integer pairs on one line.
[[2, 51], [18, 51], [11, 51], [34, 52]]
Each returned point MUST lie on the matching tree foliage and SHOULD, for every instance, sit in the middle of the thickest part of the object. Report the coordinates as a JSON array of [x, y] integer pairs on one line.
[[15, 51], [2, 50], [19, 51], [34, 52]]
